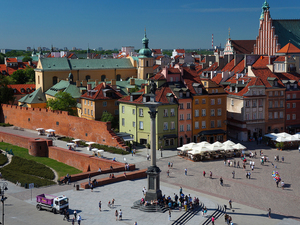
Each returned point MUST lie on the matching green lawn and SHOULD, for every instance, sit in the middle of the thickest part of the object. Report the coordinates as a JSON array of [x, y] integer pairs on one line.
[[61, 168]]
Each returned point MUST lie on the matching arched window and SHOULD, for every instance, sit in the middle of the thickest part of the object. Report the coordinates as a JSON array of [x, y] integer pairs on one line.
[[54, 80], [118, 77], [87, 77], [103, 77], [147, 64]]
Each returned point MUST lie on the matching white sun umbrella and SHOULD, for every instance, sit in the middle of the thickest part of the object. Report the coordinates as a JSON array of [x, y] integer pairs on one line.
[[271, 135], [100, 150], [291, 138], [184, 148], [239, 146], [50, 130], [228, 142], [70, 144], [40, 129], [227, 146], [90, 143], [297, 136], [76, 140], [284, 135], [95, 149], [280, 139], [199, 150], [215, 146]]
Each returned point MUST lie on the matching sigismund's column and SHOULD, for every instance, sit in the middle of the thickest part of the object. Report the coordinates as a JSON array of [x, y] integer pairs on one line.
[[153, 191]]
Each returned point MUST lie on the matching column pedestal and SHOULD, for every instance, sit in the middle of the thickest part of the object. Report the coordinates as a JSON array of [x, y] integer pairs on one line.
[[154, 191]]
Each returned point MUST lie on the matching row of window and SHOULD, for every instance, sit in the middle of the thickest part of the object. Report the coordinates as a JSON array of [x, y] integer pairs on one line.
[[212, 124], [275, 115], [141, 125], [188, 116], [254, 116], [188, 105], [276, 93], [288, 105], [188, 127], [254, 103], [87, 111], [288, 116], [212, 101], [212, 112], [275, 104]]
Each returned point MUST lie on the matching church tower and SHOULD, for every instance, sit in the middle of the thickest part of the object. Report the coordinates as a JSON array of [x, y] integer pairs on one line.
[[145, 66]]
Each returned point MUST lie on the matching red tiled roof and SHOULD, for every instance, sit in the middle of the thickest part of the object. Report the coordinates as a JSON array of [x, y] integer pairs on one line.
[[173, 70], [289, 76], [213, 67], [243, 46], [280, 59], [70, 55], [159, 57], [218, 78], [263, 74], [229, 66], [239, 68], [289, 49], [156, 51], [180, 50], [155, 67], [190, 77], [262, 61], [158, 76], [11, 60], [98, 95], [28, 88]]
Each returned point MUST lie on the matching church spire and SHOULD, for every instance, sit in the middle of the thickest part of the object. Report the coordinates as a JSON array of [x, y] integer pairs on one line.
[[264, 8]]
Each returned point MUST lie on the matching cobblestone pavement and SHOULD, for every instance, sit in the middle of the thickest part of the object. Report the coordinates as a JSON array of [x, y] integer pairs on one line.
[[251, 197]]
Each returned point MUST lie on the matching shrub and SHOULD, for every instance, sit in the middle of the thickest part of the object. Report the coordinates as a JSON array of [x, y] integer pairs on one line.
[[5, 125], [3, 159], [110, 149]]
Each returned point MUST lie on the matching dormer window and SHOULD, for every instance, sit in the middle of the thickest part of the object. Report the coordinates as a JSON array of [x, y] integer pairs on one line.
[[180, 94], [288, 86], [15, 90], [199, 90], [275, 83], [172, 99], [22, 90], [295, 86], [187, 94], [144, 99]]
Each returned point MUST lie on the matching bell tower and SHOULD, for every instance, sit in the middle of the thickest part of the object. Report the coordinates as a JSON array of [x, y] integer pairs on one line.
[[145, 65]]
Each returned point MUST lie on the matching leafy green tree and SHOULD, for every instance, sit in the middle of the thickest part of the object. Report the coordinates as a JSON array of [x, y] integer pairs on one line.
[[135, 89], [19, 77], [30, 74], [63, 101], [6, 93], [106, 116], [27, 59]]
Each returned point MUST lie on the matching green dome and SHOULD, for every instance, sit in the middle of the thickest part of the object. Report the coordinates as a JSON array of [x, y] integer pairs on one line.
[[145, 51]]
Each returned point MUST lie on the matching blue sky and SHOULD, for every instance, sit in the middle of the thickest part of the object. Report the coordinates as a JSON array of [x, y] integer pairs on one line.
[[113, 24]]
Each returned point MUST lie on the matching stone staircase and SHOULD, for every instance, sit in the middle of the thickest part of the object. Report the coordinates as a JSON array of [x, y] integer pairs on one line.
[[219, 212], [185, 217]]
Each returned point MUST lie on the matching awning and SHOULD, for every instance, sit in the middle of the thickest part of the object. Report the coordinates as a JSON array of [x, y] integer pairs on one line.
[[294, 126], [128, 138], [125, 136], [167, 136], [211, 132]]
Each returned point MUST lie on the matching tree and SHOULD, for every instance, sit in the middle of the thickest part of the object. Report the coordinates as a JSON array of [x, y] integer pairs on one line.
[[30, 74], [27, 59], [106, 116], [24, 76], [135, 89], [63, 101], [6, 93]]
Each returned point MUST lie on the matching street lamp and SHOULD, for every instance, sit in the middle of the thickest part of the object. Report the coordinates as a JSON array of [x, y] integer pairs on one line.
[[3, 198]]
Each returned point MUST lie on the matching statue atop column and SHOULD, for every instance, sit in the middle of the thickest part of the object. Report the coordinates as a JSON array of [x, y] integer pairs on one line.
[[152, 87]]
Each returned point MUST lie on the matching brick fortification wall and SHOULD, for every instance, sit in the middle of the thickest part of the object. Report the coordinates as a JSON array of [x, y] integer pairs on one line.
[[62, 123], [14, 139]]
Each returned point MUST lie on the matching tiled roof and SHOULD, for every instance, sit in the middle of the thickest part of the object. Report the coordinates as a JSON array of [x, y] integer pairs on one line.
[[35, 97], [251, 81], [158, 76], [156, 51], [229, 66], [280, 59], [99, 95], [64, 86], [27, 88], [155, 67], [190, 77], [262, 61], [288, 31], [289, 76], [173, 71], [11, 60], [263, 74], [289, 49], [239, 68], [218, 78], [213, 67], [243, 46], [159, 57], [180, 50], [177, 56]]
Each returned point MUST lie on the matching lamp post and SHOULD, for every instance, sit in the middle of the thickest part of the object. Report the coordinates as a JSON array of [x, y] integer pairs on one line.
[[3, 198]]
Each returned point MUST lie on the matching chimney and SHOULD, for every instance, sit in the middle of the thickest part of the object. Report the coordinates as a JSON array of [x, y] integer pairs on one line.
[[113, 82], [132, 81], [89, 87], [77, 83], [84, 83], [96, 83]]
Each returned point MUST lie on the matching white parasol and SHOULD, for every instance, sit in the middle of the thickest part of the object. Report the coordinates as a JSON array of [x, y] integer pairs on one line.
[[239, 146], [50, 130], [95, 149], [40, 129], [283, 134], [216, 146], [229, 142], [90, 143], [70, 144], [227, 146]]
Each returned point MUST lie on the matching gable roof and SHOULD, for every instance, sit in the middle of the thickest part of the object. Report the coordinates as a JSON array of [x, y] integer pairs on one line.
[[35, 97], [28, 88], [229, 66], [289, 49], [264, 73], [239, 68], [98, 93], [180, 50], [64, 86], [156, 51], [243, 46]]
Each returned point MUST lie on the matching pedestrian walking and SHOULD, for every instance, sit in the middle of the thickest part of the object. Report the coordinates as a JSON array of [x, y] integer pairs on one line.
[[269, 213], [233, 174], [79, 219], [230, 203], [120, 214], [213, 220], [73, 221], [168, 173], [210, 174], [75, 214], [238, 164], [234, 163], [100, 206], [282, 158], [249, 175], [221, 181], [185, 171], [282, 185], [180, 191], [169, 214], [277, 182], [116, 215], [204, 173], [171, 165]]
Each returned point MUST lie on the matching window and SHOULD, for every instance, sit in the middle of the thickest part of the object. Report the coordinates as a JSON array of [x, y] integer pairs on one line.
[[203, 101], [104, 104], [276, 93], [133, 124], [254, 92], [247, 116], [181, 106], [270, 115], [88, 102], [172, 125], [219, 123], [288, 96], [165, 125], [275, 115], [219, 112], [54, 80], [91, 103], [219, 101], [216, 90], [212, 124], [188, 105], [188, 116], [203, 124], [84, 111], [281, 104], [103, 77], [276, 104], [141, 125], [172, 112], [288, 105], [260, 102], [196, 112], [212, 112], [181, 117], [123, 122], [171, 141], [84, 101], [294, 95], [87, 78], [254, 116], [288, 116], [133, 111], [212, 101], [212, 91], [270, 104], [196, 101], [92, 113], [270, 93], [181, 128], [180, 94], [294, 105], [280, 115], [196, 125], [167, 142], [281, 93], [260, 115], [141, 112], [294, 116], [248, 103], [254, 103], [165, 112], [118, 77], [188, 127], [203, 112], [88, 112], [232, 102]]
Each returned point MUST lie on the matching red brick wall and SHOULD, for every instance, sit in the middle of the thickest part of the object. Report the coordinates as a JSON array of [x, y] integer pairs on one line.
[[62, 123], [83, 161], [13, 139]]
